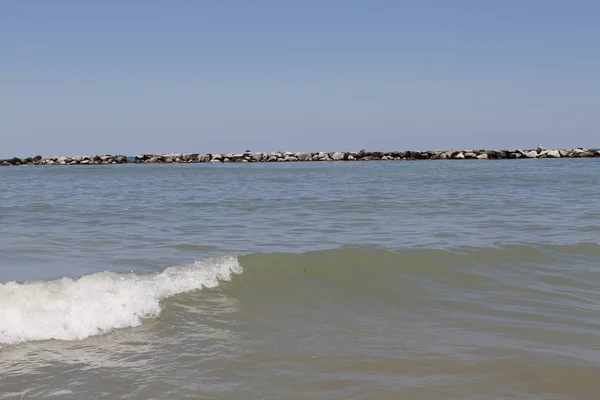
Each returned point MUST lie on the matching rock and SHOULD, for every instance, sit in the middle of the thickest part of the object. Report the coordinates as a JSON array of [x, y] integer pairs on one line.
[[351, 158], [483, 156], [564, 153], [459, 156], [337, 156], [586, 153], [553, 154], [531, 154], [257, 156]]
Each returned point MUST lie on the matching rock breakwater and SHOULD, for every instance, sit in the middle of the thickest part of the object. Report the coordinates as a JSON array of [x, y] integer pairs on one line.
[[250, 157], [77, 160]]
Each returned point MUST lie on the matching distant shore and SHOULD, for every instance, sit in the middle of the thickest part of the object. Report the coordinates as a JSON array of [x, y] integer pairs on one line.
[[287, 156]]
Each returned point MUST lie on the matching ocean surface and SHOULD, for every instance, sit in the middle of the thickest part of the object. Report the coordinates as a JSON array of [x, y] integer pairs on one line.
[[369, 280]]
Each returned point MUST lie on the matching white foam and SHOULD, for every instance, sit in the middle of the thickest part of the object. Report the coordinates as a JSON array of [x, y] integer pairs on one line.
[[74, 309]]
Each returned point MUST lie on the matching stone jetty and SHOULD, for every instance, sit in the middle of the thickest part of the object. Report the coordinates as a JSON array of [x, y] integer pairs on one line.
[[287, 156], [78, 160]]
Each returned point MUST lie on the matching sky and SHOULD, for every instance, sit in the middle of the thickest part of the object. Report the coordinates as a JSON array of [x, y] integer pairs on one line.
[[192, 76]]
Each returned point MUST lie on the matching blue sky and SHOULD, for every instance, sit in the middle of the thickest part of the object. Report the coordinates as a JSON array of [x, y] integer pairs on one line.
[[130, 77]]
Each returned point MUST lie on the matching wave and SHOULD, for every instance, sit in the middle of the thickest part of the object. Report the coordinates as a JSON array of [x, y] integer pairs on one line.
[[361, 258], [74, 309]]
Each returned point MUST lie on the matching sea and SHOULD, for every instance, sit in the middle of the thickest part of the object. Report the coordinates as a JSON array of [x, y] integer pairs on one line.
[[322, 280]]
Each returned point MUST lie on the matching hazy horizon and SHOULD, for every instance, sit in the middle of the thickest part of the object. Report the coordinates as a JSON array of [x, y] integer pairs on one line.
[[199, 77]]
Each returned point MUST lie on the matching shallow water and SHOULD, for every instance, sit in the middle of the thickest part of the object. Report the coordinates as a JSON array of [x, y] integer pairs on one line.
[[370, 280]]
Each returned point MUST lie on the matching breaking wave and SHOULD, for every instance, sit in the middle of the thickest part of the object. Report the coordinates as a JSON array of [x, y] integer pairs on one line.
[[74, 309]]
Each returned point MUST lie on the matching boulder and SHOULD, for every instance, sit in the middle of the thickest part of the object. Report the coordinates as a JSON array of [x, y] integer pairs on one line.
[[565, 153], [337, 156]]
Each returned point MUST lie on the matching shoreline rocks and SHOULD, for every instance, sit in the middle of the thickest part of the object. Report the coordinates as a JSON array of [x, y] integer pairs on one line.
[[59, 160], [287, 156]]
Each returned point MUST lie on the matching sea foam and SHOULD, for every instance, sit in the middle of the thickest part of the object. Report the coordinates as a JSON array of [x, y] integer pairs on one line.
[[74, 309]]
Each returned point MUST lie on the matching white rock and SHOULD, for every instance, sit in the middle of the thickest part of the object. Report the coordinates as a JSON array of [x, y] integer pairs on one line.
[[531, 154], [553, 154], [483, 156], [337, 156]]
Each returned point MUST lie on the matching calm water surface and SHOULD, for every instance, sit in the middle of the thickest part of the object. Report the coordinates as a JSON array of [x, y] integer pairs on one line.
[[366, 280]]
